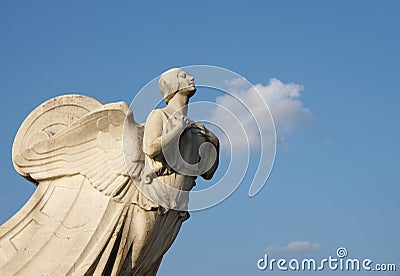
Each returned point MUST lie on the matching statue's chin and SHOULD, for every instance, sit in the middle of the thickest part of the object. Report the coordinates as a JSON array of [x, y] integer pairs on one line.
[[187, 91]]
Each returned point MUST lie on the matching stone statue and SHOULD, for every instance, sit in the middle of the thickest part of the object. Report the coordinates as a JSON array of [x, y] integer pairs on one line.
[[111, 194]]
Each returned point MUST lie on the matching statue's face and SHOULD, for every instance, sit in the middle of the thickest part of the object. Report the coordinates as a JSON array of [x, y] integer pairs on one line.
[[186, 84], [176, 81]]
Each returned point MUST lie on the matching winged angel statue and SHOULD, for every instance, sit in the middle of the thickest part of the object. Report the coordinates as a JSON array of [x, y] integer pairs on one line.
[[111, 194]]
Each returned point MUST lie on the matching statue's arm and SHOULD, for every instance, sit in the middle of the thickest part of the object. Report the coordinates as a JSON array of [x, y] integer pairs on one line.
[[154, 138], [152, 135]]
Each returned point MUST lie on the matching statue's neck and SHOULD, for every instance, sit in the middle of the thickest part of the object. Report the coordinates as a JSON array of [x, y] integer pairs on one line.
[[178, 105]]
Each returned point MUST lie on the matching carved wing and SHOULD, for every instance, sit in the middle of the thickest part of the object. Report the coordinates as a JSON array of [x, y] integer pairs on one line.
[[72, 147], [104, 146]]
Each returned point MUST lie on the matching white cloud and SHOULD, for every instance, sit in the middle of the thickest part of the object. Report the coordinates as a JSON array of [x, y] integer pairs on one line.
[[294, 248], [247, 105]]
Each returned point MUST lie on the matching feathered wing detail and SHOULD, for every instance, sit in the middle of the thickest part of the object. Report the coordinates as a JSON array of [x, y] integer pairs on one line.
[[85, 158], [104, 146]]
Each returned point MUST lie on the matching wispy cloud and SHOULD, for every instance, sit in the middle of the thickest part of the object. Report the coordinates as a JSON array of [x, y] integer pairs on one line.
[[295, 248], [245, 107]]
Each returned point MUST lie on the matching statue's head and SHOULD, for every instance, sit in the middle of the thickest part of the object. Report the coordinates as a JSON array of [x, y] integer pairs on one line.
[[174, 81]]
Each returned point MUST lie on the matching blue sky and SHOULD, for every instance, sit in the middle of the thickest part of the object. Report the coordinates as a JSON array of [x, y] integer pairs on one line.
[[335, 180]]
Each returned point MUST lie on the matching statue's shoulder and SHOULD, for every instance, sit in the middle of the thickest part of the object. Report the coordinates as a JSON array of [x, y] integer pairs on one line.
[[157, 115]]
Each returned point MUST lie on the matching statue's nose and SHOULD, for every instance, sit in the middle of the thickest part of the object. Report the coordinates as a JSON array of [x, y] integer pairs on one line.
[[191, 78]]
